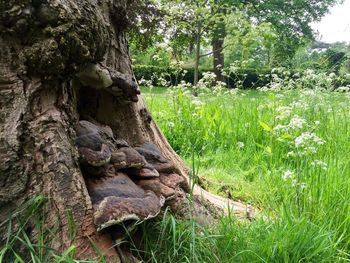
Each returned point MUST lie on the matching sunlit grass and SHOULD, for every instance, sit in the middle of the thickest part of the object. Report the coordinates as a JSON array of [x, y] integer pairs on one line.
[[287, 153]]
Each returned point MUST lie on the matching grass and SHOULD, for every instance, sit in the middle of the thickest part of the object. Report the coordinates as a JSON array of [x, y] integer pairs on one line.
[[20, 247], [285, 152]]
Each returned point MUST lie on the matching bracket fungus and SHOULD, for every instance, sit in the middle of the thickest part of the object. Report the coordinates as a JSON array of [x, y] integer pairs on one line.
[[118, 199], [127, 157], [126, 184], [91, 146], [100, 77], [157, 187]]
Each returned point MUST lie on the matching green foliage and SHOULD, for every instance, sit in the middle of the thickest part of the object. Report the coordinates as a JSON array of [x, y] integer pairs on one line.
[[291, 21], [144, 21], [285, 152], [258, 34], [157, 76], [236, 77], [323, 57], [171, 240], [335, 59]]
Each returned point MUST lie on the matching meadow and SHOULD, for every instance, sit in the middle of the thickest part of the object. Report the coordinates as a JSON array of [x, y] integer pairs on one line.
[[284, 152]]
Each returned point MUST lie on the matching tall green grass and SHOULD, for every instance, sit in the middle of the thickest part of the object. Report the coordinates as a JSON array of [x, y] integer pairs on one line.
[[30, 240], [303, 192]]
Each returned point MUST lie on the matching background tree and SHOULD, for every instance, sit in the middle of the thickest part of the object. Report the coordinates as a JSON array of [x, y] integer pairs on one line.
[[291, 20], [193, 25], [190, 20]]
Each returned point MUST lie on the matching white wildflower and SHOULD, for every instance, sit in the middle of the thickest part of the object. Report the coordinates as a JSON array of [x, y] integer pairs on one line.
[[302, 186], [197, 102], [307, 137], [283, 112], [279, 127], [332, 75], [343, 89], [296, 122], [320, 164], [156, 57], [240, 145], [233, 91], [287, 175], [169, 49]]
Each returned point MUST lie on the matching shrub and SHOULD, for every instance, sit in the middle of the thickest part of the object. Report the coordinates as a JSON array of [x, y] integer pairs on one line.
[[245, 79]]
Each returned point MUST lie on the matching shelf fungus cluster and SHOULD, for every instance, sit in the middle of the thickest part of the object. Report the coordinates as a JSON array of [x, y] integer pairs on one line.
[[126, 184]]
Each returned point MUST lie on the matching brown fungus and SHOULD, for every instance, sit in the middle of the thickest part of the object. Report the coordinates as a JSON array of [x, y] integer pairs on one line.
[[118, 199], [127, 157], [157, 187], [173, 180], [145, 172], [154, 158], [106, 170], [95, 158], [92, 144]]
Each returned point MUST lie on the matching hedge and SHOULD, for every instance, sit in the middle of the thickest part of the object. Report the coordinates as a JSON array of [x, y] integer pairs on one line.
[[250, 77]]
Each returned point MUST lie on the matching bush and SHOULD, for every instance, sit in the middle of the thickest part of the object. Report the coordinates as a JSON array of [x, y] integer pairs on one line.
[[246, 79]]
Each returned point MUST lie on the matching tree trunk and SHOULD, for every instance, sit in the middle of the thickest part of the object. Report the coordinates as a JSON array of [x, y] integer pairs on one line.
[[63, 62], [197, 57], [219, 35], [218, 57]]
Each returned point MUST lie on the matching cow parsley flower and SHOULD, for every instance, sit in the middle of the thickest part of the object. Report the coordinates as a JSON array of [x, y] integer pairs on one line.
[[296, 122], [240, 145], [307, 138], [320, 164], [287, 175]]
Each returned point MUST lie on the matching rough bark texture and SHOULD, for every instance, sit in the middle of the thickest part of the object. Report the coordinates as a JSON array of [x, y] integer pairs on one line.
[[61, 62], [218, 57], [217, 43], [197, 55]]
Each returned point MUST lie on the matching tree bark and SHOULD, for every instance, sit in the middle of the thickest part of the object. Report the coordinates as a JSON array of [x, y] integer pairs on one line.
[[62, 62], [197, 57], [218, 56], [218, 38]]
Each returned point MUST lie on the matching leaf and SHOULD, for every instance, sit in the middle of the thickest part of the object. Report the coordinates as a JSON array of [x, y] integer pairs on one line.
[[286, 136], [268, 149], [18, 258], [260, 145], [265, 126]]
